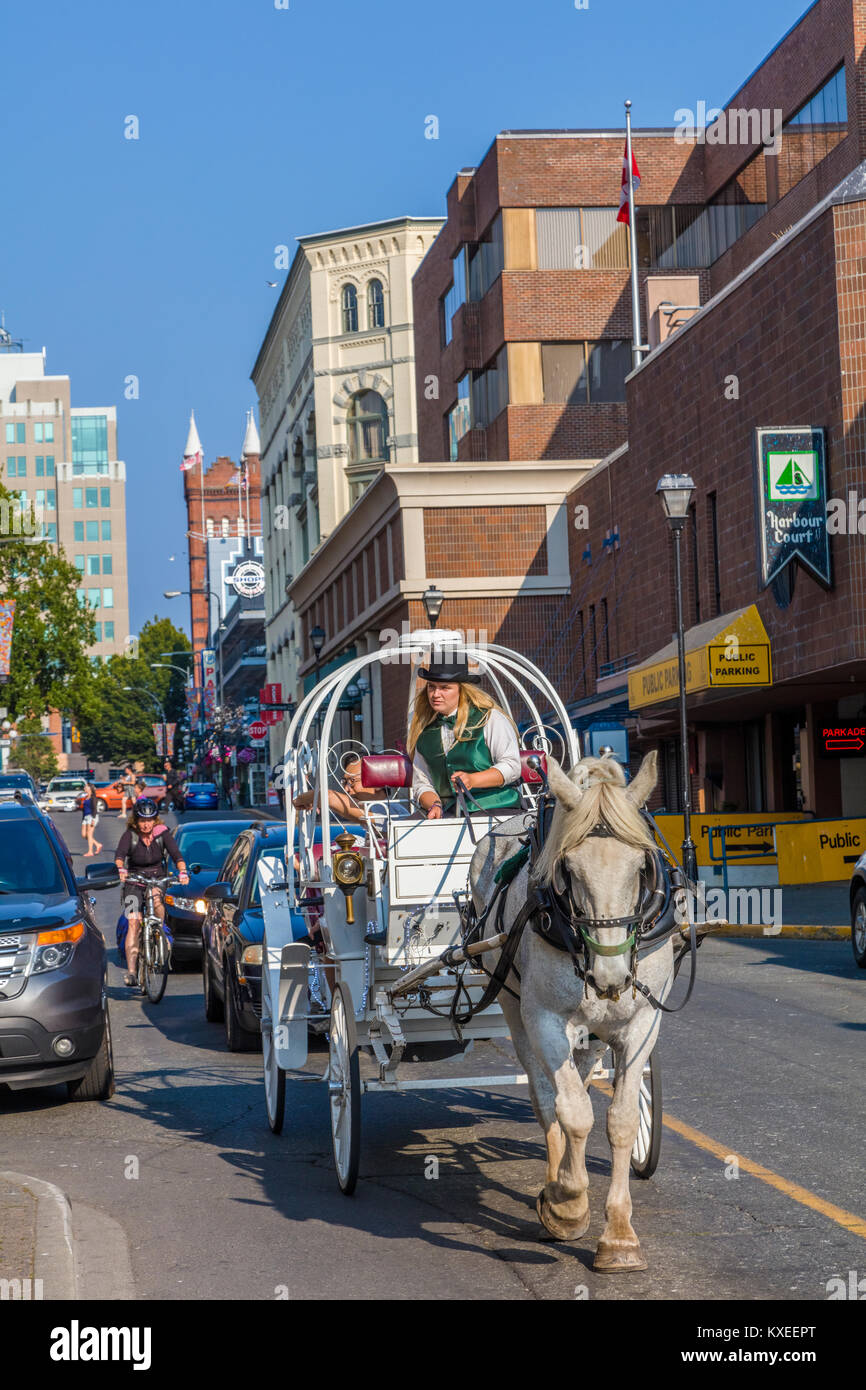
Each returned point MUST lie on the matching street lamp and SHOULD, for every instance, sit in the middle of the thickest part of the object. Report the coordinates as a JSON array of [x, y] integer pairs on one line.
[[433, 599], [675, 491], [176, 593]]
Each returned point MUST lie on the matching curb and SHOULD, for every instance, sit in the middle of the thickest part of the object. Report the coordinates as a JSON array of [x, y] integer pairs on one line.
[[79, 1252], [796, 933]]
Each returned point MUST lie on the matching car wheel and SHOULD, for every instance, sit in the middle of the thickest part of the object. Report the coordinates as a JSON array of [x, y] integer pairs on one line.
[[858, 927], [97, 1083], [238, 1038], [213, 1007], [100, 805]]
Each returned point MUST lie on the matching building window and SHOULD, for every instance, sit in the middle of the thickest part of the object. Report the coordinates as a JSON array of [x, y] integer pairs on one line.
[[49, 531], [585, 373], [79, 563], [106, 564], [106, 530], [40, 466], [108, 631], [10, 432], [43, 433], [581, 239], [49, 465], [459, 417], [486, 260], [81, 595], [93, 597], [490, 390], [21, 432], [16, 466], [454, 297], [89, 444], [209, 526], [350, 309], [105, 497], [107, 598], [92, 530], [97, 629], [241, 526], [367, 419], [714, 540], [375, 305], [91, 496], [78, 530], [225, 526], [93, 564], [813, 131], [77, 497]]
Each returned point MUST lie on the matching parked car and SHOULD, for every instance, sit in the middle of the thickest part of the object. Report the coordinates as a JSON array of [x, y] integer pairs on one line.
[[12, 782], [201, 796], [109, 795], [857, 898], [54, 1023], [63, 794], [233, 932], [204, 845]]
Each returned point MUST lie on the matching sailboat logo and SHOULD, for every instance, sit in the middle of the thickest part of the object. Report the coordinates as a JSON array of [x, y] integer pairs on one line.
[[792, 476]]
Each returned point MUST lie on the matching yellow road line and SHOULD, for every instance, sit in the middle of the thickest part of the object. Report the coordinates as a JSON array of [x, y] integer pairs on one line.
[[847, 1219]]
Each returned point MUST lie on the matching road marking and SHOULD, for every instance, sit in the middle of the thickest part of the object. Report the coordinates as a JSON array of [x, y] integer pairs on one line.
[[847, 1219], [855, 1224]]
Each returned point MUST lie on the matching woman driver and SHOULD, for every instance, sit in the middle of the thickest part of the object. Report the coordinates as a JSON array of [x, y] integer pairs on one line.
[[142, 850], [460, 737]]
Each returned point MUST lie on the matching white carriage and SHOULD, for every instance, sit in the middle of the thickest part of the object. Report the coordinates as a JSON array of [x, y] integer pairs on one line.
[[395, 886]]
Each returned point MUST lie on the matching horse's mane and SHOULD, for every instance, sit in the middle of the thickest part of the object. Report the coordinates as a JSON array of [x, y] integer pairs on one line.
[[599, 783]]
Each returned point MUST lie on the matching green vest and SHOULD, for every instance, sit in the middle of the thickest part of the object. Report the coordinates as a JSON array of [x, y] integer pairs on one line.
[[470, 754]]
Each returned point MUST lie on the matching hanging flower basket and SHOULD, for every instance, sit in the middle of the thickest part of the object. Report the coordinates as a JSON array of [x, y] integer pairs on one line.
[[245, 755]]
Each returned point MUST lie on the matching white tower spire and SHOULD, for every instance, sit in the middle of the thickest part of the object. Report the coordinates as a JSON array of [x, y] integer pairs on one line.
[[252, 444]]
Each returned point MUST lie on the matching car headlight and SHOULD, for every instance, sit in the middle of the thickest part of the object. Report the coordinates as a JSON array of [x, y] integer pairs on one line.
[[252, 955], [186, 904], [54, 948]]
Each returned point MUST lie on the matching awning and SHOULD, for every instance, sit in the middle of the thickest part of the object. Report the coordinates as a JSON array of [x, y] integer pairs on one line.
[[730, 651]]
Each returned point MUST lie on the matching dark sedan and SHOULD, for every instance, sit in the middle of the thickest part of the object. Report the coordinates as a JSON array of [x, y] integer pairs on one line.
[[54, 1025], [204, 845]]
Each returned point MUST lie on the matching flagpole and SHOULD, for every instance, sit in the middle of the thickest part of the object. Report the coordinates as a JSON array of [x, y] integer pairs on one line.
[[637, 349]]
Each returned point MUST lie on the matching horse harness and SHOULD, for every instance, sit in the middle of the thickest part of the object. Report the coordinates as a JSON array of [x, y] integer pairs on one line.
[[556, 917]]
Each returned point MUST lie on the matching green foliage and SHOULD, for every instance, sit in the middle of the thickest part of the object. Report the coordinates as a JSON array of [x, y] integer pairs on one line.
[[35, 752], [49, 666], [116, 724]]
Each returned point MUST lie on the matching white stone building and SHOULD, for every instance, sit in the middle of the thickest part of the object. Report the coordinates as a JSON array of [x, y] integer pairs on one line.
[[335, 378]]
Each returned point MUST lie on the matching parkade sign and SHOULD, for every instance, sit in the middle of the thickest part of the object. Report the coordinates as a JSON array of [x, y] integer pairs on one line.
[[842, 740]]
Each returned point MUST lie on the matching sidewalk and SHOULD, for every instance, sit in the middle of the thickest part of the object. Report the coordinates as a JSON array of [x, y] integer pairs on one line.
[[52, 1251], [810, 911]]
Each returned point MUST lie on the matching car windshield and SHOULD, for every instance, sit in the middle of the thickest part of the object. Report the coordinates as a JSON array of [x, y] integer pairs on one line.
[[14, 779], [276, 860], [28, 863], [65, 786], [207, 845]]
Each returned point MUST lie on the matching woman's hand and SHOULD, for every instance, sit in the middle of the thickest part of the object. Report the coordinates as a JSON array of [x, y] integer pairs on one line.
[[466, 780], [435, 812], [122, 873]]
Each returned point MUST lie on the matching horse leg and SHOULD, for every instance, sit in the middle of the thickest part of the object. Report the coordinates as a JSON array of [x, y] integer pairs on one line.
[[541, 1093], [563, 1204], [619, 1248]]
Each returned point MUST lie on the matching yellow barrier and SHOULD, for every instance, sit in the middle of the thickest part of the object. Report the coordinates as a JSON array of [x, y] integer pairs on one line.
[[820, 851], [759, 835]]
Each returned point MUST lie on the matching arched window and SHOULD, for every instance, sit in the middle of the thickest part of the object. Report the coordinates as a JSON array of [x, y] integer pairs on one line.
[[350, 309], [367, 423], [209, 526], [241, 526], [375, 305], [225, 525]]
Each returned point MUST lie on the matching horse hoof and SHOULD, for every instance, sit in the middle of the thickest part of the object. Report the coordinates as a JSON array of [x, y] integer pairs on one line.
[[561, 1230], [618, 1257]]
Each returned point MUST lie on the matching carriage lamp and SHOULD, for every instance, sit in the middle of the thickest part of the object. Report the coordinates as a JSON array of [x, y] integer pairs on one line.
[[433, 599], [348, 871]]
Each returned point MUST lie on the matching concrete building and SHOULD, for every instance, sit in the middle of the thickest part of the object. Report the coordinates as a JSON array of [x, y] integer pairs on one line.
[[63, 458], [335, 377]]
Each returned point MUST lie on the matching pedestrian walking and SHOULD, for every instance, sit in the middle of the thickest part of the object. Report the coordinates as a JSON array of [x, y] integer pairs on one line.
[[89, 822], [127, 787]]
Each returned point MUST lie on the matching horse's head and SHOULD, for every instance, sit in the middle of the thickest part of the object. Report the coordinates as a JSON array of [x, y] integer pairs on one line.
[[599, 872]]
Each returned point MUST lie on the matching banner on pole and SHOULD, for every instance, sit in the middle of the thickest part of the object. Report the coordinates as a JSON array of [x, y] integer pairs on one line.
[[157, 738], [192, 698], [169, 740], [7, 620], [208, 682]]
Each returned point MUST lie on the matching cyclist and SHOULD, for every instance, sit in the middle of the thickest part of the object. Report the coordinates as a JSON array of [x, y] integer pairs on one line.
[[142, 851]]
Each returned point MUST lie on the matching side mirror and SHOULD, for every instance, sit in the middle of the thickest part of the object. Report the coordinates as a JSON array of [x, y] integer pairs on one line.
[[99, 876], [219, 893]]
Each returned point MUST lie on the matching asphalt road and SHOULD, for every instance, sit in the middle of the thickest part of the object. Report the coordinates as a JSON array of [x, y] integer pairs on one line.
[[766, 1062]]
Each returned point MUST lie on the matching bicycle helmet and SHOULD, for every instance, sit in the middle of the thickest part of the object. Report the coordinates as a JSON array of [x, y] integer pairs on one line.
[[145, 808]]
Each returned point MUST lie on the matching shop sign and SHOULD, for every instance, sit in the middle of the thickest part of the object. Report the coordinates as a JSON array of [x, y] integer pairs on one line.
[[248, 579], [842, 740], [792, 501], [731, 663]]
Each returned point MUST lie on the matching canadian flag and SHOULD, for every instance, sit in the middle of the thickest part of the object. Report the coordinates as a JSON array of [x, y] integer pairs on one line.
[[623, 214]]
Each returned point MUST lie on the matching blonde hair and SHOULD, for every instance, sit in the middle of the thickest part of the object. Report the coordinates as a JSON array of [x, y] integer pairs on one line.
[[472, 697], [600, 796]]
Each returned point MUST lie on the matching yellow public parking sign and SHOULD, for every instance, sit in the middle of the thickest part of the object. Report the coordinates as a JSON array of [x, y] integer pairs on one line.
[[731, 663], [729, 651], [819, 851]]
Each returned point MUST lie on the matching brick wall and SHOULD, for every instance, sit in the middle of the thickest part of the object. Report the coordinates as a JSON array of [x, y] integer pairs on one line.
[[474, 542]]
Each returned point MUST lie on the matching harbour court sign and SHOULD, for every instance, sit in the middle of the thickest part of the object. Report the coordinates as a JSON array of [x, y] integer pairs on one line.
[[791, 501]]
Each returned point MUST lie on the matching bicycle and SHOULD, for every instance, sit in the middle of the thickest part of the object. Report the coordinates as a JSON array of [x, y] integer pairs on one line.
[[154, 952]]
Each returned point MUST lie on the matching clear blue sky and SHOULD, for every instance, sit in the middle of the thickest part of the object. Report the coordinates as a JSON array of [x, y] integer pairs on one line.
[[257, 125]]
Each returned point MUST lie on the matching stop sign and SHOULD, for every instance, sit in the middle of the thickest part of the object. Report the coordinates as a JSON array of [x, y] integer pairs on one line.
[[257, 729]]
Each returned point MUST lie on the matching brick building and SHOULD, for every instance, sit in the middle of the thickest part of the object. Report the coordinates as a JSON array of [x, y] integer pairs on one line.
[[779, 344]]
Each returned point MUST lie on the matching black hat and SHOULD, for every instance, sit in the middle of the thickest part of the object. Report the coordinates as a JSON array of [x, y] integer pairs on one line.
[[442, 669]]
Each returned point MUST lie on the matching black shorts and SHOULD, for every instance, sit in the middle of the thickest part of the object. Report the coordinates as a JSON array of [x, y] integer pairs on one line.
[[132, 897]]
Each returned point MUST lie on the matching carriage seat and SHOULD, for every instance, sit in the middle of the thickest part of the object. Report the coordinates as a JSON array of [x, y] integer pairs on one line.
[[391, 771]]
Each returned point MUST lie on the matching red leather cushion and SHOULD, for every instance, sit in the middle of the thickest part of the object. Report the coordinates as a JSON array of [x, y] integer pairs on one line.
[[528, 774], [386, 770]]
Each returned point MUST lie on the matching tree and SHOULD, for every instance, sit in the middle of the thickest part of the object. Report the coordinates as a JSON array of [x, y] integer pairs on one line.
[[49, 666], [34, 751], [116, 723]]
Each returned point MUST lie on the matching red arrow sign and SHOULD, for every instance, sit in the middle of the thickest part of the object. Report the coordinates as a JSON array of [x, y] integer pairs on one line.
[[845, 743], [257, 729]]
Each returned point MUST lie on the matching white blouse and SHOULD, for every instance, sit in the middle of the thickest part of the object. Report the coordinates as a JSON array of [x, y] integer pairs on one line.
[[501, 739]]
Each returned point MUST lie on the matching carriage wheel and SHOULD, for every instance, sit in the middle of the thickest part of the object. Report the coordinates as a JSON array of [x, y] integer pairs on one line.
[[647, 1146], [344, 1088], [275, 1077]]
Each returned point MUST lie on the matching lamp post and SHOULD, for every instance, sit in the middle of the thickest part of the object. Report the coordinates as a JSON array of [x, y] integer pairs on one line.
[[140, 690], [318, 637], [675, 491], [176, 593], [433, 599]]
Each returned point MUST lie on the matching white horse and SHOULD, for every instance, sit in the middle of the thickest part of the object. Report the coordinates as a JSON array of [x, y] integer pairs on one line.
[[551, 1021]]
